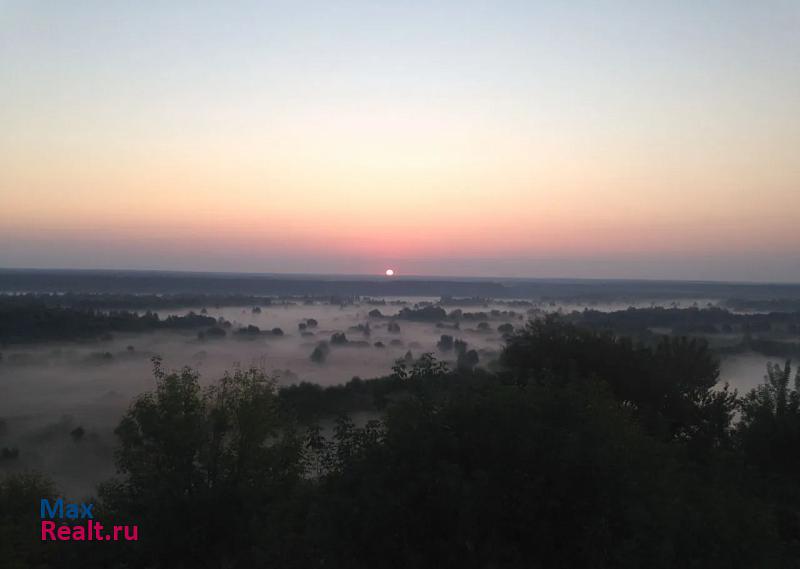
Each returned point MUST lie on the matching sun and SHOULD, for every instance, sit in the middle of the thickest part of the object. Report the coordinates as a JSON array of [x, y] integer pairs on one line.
[[389, 272]]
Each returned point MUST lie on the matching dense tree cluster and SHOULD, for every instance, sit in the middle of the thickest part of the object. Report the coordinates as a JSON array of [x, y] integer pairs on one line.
[[711, 320], [423, 314], [122, 301], [320, 353], [37, 322], [584, 450]]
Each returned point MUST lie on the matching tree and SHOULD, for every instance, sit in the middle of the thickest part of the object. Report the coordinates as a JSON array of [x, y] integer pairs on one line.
[[777, 398], [320, 353], [534, 476], [467, 360], [20, 546], [506, 328], [424, 314], [445, 343], [249, 331], [770, 425], [664, 384], [338, 339], [77, 433], [769, 432], [204, 470]]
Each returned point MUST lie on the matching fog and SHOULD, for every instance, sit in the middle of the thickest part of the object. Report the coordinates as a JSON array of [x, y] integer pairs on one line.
[[47, 390], [745, 371]]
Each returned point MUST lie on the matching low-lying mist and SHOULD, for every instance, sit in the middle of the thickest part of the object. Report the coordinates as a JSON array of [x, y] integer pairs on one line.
[[50, 391], [60, 402]]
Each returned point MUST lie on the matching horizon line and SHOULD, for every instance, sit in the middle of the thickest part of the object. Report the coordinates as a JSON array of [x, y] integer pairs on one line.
[[381, 277]]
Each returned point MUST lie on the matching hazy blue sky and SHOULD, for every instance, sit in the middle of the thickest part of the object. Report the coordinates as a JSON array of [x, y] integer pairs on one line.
[[594, 139]]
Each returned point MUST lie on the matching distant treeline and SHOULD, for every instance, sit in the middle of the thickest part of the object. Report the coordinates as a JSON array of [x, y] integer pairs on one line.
[[688, 320], [764, 305], [41, 318], [772, 334], [432, 313], [162, 282], [36, 322], [107, 301], [692, 320]]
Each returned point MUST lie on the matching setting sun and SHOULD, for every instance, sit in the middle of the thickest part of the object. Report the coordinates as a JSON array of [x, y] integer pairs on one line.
[[389, 272]]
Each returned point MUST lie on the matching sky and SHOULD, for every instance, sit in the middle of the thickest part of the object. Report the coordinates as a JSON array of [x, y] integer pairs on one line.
[[625, 139]]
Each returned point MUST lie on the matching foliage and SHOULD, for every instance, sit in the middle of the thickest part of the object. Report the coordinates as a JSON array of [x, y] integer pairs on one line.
[[423, 314], [769, 433], [586, 450], [530, 476], [20, 546], [663, 384], [205, 470], [320, 353], [37, 322]]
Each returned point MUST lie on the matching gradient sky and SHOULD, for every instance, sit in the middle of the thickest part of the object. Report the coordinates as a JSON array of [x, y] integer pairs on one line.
[[572, 139]]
